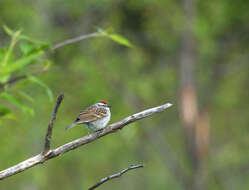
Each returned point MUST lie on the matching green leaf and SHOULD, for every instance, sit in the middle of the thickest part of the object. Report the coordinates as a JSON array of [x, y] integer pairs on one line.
[[8, 30], [4, 111], [109, 30], [100, 30], [25, 96], [23, 37], [18, 103], [47, 64], [2, 53], [119, 39], [38, 42], [29, 47], [8, 54], [19, 63], [26, 47], [42, 84], [44, 46]]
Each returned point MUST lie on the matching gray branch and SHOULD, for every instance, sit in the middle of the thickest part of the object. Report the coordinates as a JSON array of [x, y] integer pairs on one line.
[[119, 174], [41, 158], [76, 39]]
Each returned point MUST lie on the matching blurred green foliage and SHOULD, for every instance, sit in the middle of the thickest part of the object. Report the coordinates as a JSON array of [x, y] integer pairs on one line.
[[31, 51], [131, 79], [13, 67]]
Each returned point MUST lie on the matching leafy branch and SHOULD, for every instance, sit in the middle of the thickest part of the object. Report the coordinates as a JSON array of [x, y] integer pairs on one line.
[[13, 70]]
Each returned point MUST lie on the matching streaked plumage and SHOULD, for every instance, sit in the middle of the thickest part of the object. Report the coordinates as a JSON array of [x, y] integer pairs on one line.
[[94, 117]]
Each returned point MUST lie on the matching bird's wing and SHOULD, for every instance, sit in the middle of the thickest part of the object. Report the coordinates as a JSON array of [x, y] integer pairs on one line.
[[91, 114]]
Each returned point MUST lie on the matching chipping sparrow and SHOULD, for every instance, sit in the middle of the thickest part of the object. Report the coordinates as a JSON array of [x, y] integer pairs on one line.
[[94, 117]]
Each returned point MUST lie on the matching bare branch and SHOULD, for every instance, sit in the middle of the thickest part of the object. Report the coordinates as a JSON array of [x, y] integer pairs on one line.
[[40, 158], [51, 124], [119, 174], [76, 39]]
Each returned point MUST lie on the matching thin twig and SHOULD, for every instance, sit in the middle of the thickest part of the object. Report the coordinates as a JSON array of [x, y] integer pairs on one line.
[[76, 39], [40, 158], [50, 125], [119, 174]]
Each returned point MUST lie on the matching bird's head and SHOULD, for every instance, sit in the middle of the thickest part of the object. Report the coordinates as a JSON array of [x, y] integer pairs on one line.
[[103, 103]]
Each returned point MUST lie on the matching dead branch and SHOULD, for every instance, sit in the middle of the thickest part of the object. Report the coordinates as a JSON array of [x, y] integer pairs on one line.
[[51, 124], [41, 158], [119, 174]]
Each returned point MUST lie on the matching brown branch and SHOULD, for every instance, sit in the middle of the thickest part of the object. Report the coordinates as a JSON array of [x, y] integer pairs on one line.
[[15, 79], [40, 158], [48, 137], [76, 39], [119, 174]]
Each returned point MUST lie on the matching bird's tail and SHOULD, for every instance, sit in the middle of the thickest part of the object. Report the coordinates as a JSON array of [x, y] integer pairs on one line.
[[71, 125]]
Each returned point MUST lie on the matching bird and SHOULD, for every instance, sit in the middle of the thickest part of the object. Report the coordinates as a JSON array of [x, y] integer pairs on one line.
[[95, 117]]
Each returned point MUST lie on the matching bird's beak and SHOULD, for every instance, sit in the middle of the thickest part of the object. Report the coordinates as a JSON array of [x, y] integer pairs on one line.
[[109, 106]]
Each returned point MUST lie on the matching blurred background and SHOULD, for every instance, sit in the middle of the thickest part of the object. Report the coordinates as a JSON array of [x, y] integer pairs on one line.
[[191, 53]]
